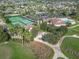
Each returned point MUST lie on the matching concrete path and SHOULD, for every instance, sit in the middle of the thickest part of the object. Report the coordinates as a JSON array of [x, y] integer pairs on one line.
[[61, 40], [56, 48]]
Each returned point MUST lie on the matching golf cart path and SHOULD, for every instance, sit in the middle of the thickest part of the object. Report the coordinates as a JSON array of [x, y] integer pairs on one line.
[[61, 40], [56, 47]]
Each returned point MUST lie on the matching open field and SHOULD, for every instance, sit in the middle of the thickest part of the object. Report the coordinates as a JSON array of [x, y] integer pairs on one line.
[[14, 50], [70, 47], [5, 52]]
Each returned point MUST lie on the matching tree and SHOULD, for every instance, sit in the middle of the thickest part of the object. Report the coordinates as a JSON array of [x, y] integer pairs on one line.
[[62, 30], [34, 31], [43, 26], [4, 35], [27, 36], [51, 38], [54, 34], [47, 27]]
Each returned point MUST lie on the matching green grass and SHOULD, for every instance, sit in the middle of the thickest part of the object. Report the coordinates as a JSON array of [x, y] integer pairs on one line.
[[73, 31], [60, 58], [18, 51], [4, 52], [71, 44]]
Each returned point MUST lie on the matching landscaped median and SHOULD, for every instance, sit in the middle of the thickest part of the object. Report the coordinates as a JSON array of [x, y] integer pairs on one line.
[[70, 47]]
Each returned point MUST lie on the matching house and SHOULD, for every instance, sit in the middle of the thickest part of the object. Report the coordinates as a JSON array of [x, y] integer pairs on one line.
[[60, 21], [29, 27], [66, 20], [57, 22]]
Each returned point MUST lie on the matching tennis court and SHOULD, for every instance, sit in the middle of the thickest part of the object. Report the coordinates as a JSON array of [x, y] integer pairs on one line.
[[19, 20]]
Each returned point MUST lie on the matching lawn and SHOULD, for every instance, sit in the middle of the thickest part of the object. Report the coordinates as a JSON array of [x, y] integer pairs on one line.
[[72, 31], [70, 47], [4, 52], [14, 50], [60, 58]]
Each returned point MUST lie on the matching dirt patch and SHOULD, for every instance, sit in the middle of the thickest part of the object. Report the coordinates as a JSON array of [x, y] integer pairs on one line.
[[41, 50]]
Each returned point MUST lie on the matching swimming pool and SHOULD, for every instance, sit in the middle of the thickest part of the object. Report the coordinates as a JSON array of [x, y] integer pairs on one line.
[[20, 20]]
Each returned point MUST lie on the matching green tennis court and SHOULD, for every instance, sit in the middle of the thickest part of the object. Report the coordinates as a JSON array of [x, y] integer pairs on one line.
[[20, 20]]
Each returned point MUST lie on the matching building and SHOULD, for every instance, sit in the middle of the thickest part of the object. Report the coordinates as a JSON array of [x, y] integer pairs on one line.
[[60, 21]]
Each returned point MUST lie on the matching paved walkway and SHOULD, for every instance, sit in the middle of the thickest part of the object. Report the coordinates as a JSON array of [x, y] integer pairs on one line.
[[56, 48], [61, 40]]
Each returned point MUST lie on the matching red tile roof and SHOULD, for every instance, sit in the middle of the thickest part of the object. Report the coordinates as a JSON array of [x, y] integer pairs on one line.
[[57, 21]]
